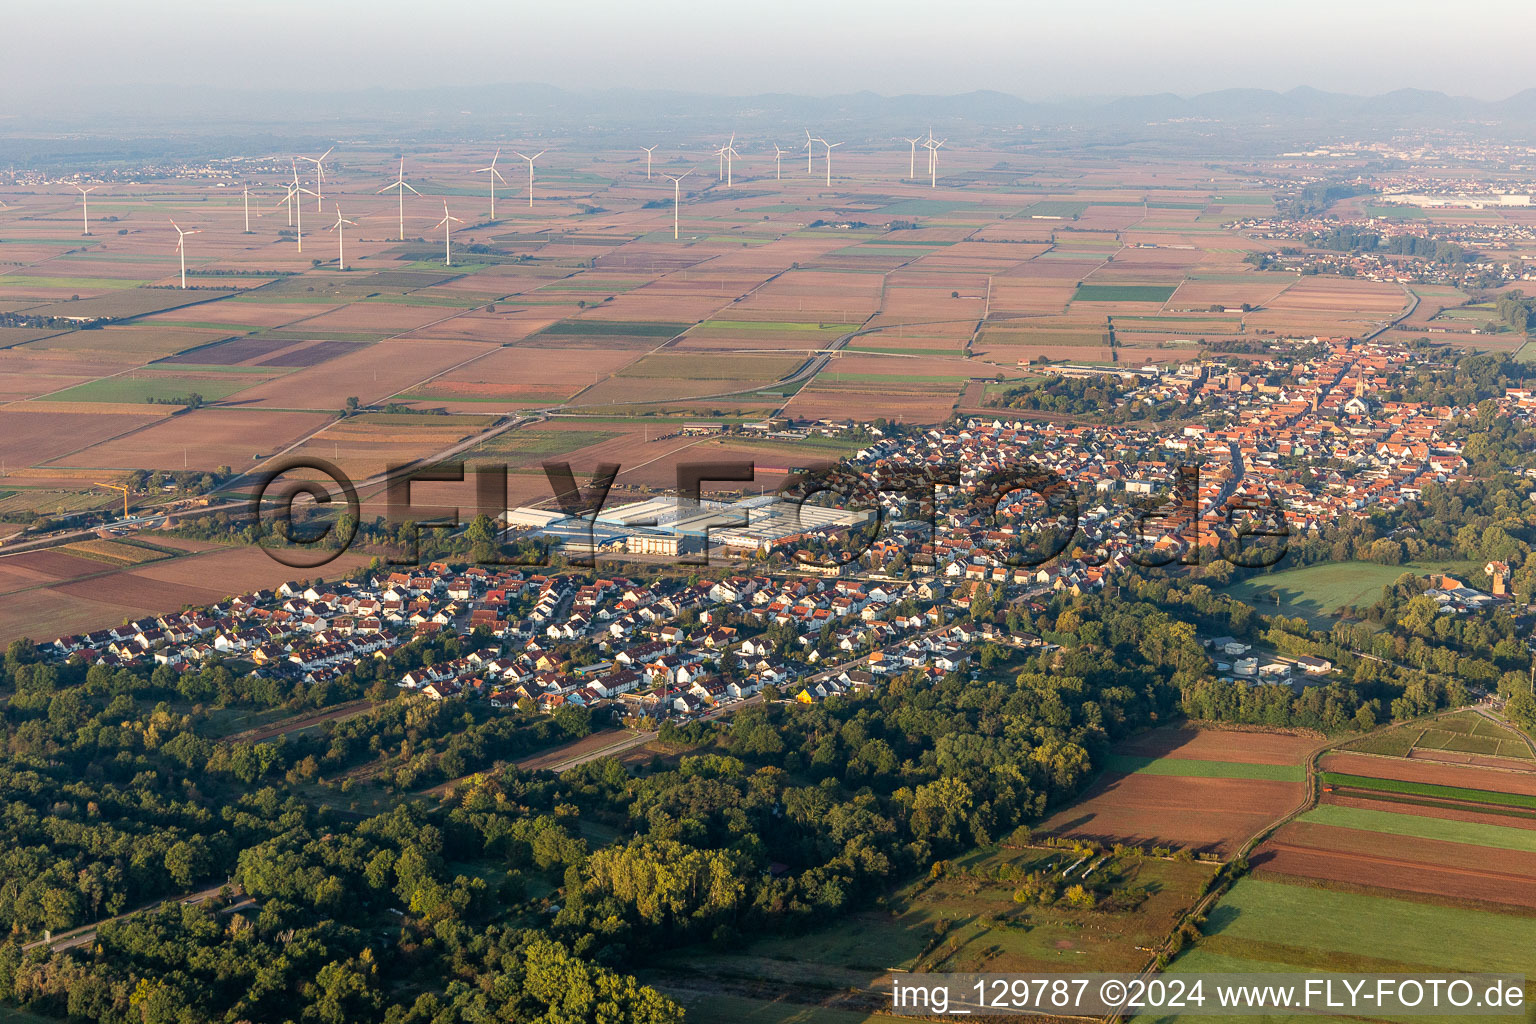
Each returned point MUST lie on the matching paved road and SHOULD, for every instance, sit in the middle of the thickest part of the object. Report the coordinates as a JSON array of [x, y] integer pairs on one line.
[[86, 934]]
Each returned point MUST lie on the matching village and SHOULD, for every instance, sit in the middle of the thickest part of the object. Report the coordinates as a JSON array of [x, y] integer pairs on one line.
[[817, 612]]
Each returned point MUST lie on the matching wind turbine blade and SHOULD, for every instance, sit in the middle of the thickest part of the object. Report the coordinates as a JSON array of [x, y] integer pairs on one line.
[[408, 186]]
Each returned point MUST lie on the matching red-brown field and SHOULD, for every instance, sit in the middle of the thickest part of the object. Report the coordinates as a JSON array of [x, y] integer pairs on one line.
[[1406, 770], [1441, 869], [202, 440], [33, 437], [1215, 815], [1239, 746], [51, 594], [1192, 811]]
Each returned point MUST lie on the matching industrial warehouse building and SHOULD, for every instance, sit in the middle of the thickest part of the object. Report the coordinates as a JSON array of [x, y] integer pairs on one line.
[[669, 525]]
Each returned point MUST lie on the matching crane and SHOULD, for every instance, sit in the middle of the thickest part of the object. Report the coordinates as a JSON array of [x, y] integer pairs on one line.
[[118, 487]]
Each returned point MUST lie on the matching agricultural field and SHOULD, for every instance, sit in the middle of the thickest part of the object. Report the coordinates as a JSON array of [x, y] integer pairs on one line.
[[1403, 865], [1204, 790], [1266, 924], [55, 592], [1466, 737], [1460, 832]]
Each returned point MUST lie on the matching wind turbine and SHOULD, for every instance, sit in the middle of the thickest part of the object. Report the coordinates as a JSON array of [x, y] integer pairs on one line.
[[778, 162], [319, 172], [530, 160], [912, 156], [494, 175], [677, 197], [447, 225], [341, 238], [933, 161], [728, 154], [85, 215], [181, 247], [291, 186], [830, 147], [296, 210], [648, 151], [808, 142], [399, 183], [246, 197]]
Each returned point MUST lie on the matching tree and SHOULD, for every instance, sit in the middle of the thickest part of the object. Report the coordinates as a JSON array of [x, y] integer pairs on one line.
[[1080, 898]]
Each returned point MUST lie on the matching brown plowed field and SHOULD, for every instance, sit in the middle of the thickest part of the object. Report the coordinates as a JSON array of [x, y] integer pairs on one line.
[[1469, 813], [1164, 810], [1222, 745], [1398, 872], [1405, 770]]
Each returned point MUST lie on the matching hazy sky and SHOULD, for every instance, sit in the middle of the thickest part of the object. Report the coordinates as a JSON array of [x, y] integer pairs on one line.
[[1035, 50]]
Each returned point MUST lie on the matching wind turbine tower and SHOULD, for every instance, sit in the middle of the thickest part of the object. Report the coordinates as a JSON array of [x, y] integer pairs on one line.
[[341, 238], [400, 185], [181, 247], [730, 154], [677, 198], [494, 175], [319, 172], [830, 147], [530, 160], [296, 210], [912, 156], [85, 213], [447, 225]]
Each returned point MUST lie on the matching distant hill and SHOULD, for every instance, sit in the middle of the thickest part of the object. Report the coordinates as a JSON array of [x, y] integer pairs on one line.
[[539, 108]]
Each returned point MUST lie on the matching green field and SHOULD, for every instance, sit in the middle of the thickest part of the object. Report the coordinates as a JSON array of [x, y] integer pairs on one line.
[[1468, 732], [1445, 830], [86, 284], [1262, 926], [620, 328], [534, 444], [1429, 789], [1191, 768], [144, 389], [1310, 926], [1123, 293], [1395, 212], [775, 325], [926, 207], [1527, 353], [1315, 592]]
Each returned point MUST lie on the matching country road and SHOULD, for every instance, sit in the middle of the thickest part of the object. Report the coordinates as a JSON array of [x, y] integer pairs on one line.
[[86, 934]]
